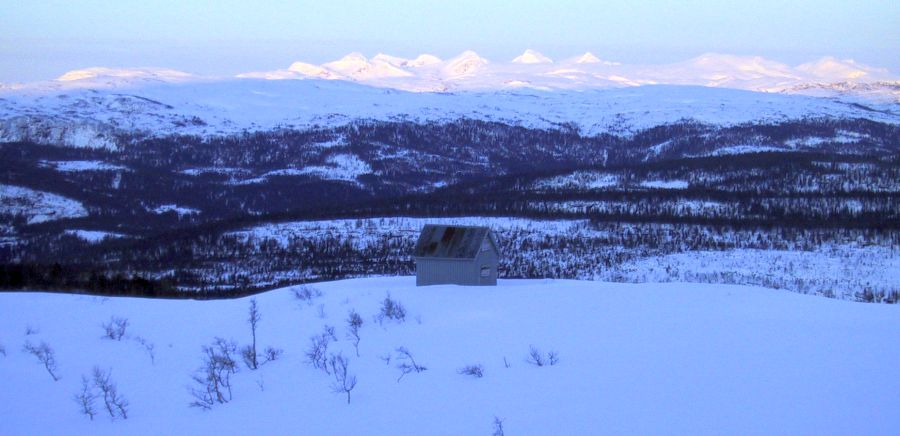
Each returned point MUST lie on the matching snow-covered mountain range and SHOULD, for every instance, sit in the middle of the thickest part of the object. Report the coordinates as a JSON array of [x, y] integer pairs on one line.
[[95, 117], [92, 107], [469, 71]]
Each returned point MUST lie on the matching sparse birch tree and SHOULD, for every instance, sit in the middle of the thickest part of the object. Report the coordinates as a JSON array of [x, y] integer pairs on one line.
[[253, 319], [354, 322], [86, 398], [213, 380], [343, 381], [115, 403], [115, 328], [45, 355], [407, 363]]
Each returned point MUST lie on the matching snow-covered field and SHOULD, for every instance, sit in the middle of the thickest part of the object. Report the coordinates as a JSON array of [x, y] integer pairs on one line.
[[38, 206], [836, 269], [633, 359]]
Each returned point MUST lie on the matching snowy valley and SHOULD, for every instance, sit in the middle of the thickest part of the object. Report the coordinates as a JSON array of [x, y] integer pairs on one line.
[[156, 182]]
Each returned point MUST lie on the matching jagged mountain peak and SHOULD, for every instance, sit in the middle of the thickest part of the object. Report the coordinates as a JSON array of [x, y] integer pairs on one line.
[[587, 58], [465, 64], [530, 56]]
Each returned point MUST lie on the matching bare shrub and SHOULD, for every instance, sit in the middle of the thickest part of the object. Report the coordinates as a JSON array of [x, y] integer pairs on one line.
[[552, 358], [498, 427], [329, 331], [115, 328], [2, 350], [536, 358], [354, 322], [476, 371], [317, 354], [408, 363], [45, 355], [30, 330], [306, 294], [392, 310], [116, 405], [272, 354], [343, 382], [213, 379], [86, 398], [148, 346]]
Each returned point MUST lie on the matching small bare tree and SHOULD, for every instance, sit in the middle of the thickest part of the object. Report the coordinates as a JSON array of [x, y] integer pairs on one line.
[[86, 398], [354, 322], [45, 355], [536, 358], [328, 331], [307, 294], [408, 363], [498, 426], [272, 354], [317, 354], [148, 347], [115, 328], [476, 371], [343, 382], [213, 380], [116, 404], [391, 309], [250, 355], [552, 358]]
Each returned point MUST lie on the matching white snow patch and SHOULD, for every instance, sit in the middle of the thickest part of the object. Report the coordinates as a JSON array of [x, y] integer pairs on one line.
[[180, 210], [214, 170], [82, 165], [342, 167], [579, 179], [38, 206], [93, 236], [665, 184], [744, 149]]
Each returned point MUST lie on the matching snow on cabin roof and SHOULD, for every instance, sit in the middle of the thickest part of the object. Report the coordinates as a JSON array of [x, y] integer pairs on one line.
[[455, 242]]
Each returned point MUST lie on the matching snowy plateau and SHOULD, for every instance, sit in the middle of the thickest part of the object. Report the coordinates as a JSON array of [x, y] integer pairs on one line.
[[630, 359]]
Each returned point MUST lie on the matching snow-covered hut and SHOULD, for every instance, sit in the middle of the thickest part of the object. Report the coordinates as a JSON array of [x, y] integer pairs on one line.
[[459, 255]]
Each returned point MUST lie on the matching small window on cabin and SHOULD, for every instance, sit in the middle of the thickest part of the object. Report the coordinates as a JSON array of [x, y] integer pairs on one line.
[[485, 271], [485, 245]]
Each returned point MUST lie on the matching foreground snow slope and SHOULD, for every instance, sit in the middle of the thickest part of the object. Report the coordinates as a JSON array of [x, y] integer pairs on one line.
[[650, 358]]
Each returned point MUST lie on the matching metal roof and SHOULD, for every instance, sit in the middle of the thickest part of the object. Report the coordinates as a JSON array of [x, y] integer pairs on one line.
[[453, 242]]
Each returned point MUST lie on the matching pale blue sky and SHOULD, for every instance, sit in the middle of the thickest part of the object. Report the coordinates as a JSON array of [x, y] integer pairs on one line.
[[42, 39]]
